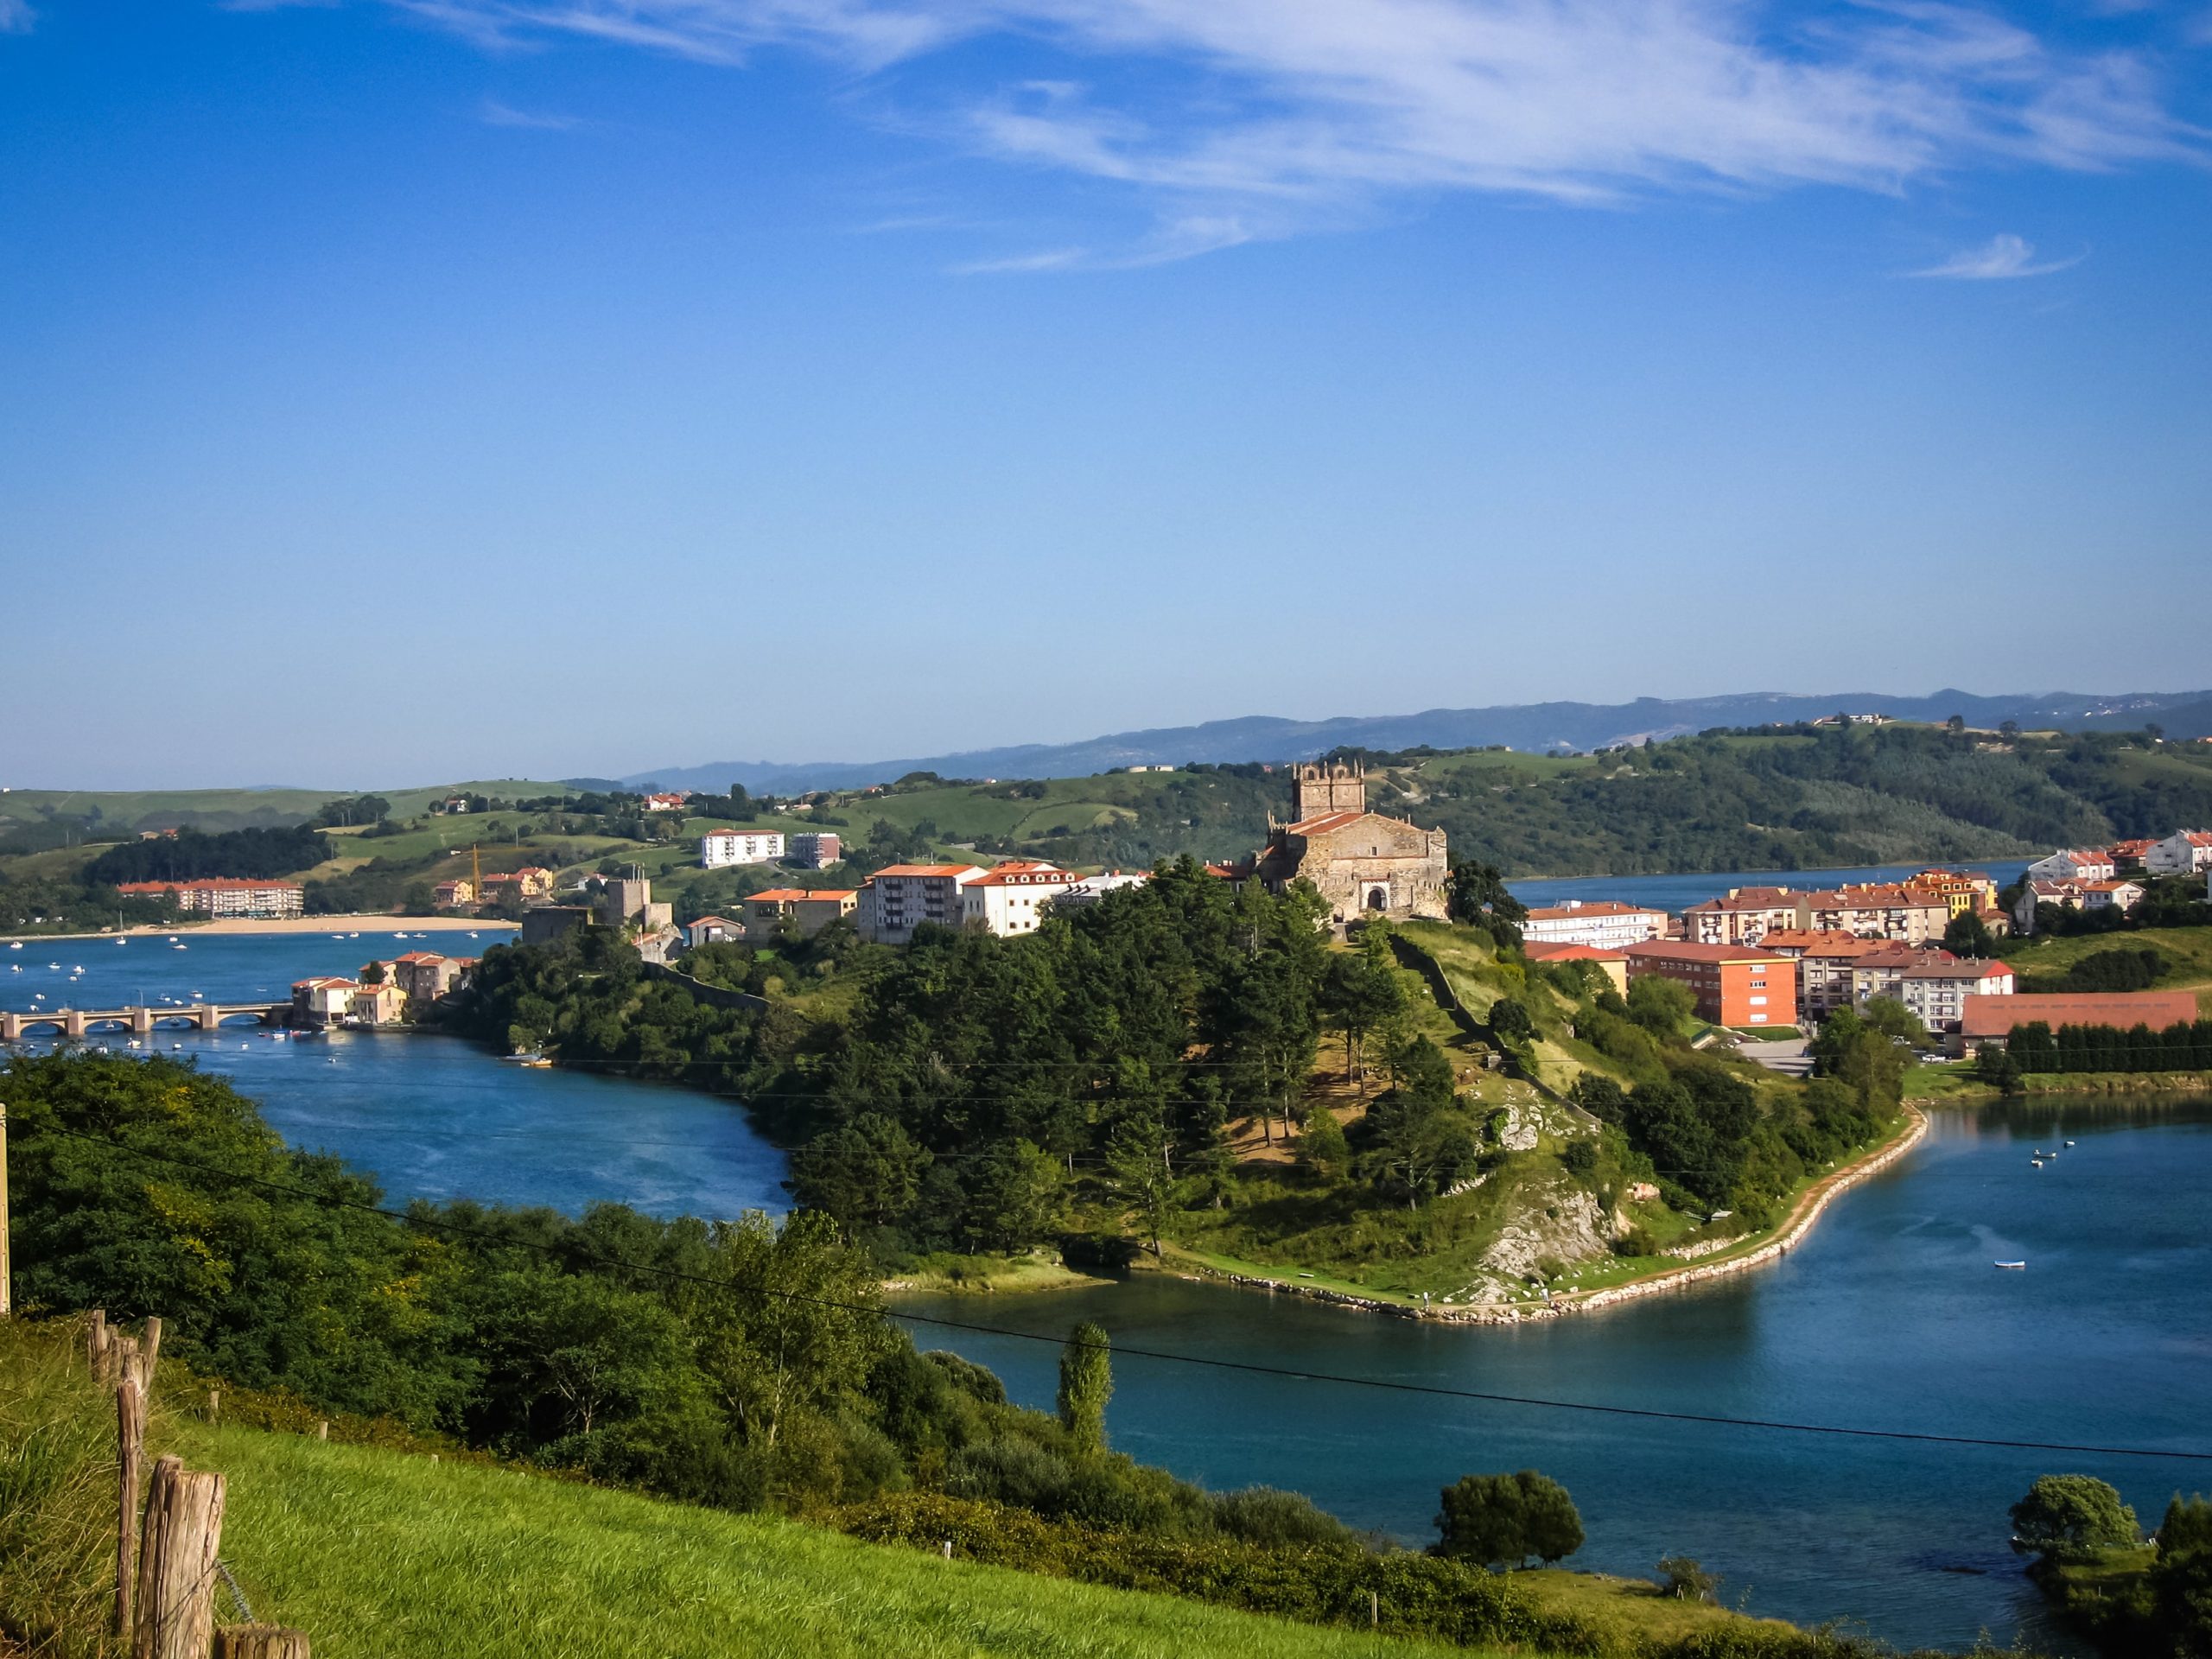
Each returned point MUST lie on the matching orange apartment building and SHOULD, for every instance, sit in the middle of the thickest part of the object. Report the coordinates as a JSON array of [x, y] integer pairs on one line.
[[1734, 984]]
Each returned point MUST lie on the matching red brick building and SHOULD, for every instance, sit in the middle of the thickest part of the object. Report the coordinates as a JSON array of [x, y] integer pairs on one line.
[[1734, 984]]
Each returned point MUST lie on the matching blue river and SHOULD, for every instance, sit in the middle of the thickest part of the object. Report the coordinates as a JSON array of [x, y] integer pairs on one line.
[[1890, 1317]]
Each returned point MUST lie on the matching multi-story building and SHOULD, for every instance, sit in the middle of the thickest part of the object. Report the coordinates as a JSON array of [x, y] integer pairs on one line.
[[1876, 911], [322, 1001], [900, 897], [1604, 924], [1092, 888], [1964, 890], [528, 885], [2129, 855], [423, 977], [1011, 898], [1937, 991], [808, 909], [2107, 894], [226, 896], [812, 850], [2074, 864], [1825, 959], [671, 802], [718, 848], [455, 895], [1734, 984], [2186, 851], [377, 1005], [1740, 916]]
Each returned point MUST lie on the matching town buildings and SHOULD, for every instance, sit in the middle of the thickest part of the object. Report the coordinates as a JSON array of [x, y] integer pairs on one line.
[[2074, 864], [900, 897], [718, 848], [423, 977], [1825, 960], [1734, 985], [812, 849], [669, 802], [220, 896], [1935, 991], [1740, 916], [808, 909], [712, 929], [528, 885], [2186, 851], [1011, 900], [1091, 888], [1362, 863], [455, 895], [1602, 923], [2107, 894], [1905, 911]]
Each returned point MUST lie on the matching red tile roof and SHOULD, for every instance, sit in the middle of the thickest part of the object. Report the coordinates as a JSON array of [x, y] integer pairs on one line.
[[1541, 951], [1995, 1016], [1322, 822], [927, 869], [1682, 950]]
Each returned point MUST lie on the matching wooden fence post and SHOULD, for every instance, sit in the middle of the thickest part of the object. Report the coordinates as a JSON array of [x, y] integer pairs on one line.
[[96, 1342], [149, 1351], [260, 1641], [176, 1615], [130, 1443], [322, 1429], [214, 1406]]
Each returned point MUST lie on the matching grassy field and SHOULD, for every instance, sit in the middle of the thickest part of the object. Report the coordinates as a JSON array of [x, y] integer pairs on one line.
[[2190, 950], [379, 1552]]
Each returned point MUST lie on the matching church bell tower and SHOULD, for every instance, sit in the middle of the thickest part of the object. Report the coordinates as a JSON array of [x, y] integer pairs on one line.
[[1330, 787]]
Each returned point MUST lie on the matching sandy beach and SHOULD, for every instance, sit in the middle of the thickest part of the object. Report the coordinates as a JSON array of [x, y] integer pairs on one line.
[[303, 925]]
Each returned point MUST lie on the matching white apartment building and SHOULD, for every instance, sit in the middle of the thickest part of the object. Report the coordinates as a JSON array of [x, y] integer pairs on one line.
[[2074, 864], [1010, 900], [900, 897], [718, 848], [1603, 924], [2186, 851], [1937, 991]]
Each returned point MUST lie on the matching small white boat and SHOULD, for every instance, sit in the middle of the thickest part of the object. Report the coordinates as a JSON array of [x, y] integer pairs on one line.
[[179, 947], [2038, 1162], [2069, 1143], [121, 941], [15, 944], [338, 935], [2016, 1265]]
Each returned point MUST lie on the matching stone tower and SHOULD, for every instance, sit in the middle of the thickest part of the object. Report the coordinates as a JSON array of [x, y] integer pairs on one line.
[[1322, 788]]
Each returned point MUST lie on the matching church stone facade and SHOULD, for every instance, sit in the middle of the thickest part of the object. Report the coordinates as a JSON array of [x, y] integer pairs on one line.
[[1363, 863]]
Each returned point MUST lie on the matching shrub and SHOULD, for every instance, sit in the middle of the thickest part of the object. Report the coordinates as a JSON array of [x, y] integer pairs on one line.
[[1686, 1580]]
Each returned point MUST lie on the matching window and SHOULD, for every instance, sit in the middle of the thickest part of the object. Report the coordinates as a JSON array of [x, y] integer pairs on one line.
[[1759, 1001]]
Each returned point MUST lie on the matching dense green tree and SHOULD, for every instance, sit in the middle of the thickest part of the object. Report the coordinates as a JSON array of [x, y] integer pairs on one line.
[[1892, 1019], [866, 1174], [1660, 1005], [1509, 1018], [2069, 1516], [1086, 1383], [1968, 935], [1322, 1152], [1475, 892], [1502, 1520]]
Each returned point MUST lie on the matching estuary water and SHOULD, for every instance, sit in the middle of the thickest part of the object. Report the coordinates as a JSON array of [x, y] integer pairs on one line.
[[1891, 1316], [431, 1116]]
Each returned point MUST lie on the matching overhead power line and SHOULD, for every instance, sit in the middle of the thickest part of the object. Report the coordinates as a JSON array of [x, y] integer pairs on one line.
[[1436, 1390]]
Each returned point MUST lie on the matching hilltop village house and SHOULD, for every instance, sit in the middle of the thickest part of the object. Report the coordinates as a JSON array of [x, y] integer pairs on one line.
[[1362, 862]]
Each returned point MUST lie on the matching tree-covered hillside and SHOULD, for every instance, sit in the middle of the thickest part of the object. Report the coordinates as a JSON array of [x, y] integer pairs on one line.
[[1794, 798]]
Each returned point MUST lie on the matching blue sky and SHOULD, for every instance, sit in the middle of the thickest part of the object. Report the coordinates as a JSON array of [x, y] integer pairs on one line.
[[396, 391]]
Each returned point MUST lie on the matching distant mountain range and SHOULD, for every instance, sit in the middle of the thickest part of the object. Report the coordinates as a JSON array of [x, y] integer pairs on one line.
[[1546, 726]]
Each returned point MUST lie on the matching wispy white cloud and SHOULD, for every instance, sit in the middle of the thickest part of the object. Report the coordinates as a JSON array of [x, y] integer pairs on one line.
[[1287, 113], [493, 113], [17, 17], [1995, 260]]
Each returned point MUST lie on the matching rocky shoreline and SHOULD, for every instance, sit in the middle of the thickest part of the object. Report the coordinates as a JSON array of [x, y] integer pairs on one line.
[[1792, 1233]]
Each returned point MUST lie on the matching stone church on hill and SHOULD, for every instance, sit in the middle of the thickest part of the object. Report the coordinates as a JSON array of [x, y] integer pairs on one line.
[[1362, 862]]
